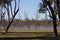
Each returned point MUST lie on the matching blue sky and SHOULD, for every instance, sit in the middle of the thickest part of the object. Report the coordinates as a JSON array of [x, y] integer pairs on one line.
[[30, 7]]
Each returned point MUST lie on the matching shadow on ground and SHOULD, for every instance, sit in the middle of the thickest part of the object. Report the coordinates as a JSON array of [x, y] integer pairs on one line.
[[46, 36]]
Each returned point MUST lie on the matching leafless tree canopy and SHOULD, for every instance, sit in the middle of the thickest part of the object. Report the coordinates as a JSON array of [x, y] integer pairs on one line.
[[6, 4]]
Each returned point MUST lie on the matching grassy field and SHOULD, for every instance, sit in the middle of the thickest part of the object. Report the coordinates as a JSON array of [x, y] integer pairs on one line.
[[37, 34], [29, 30]]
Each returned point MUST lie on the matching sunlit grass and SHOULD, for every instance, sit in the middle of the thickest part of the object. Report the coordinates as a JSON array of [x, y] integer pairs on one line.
[[28, 33]]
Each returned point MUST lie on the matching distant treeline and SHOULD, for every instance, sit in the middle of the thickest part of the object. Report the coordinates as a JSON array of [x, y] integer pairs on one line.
[[18, 22]]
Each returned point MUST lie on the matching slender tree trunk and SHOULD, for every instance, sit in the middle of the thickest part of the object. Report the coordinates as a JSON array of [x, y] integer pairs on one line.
[[46, 20], [11, 21], [55, 25], [8, 12]]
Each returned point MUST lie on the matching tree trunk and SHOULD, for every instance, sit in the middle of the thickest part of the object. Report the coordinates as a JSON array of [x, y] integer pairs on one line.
[[55, 25]]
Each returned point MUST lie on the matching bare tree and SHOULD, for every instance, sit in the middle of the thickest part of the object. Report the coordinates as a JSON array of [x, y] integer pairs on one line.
[[53, 11], [8, 4], [26, 20], [36, 16]]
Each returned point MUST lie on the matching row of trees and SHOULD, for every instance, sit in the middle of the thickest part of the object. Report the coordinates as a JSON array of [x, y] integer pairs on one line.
[[28, 23]]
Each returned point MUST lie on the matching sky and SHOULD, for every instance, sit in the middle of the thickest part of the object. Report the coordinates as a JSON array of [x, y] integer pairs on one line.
[[29, 7]]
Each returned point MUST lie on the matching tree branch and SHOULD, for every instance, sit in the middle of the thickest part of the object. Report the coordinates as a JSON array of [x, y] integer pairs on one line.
[[11, 10], [15, 12], [11, 21]]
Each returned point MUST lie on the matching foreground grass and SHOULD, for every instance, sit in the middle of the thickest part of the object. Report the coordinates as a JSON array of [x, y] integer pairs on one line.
[[28, 33], [41, 34]]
